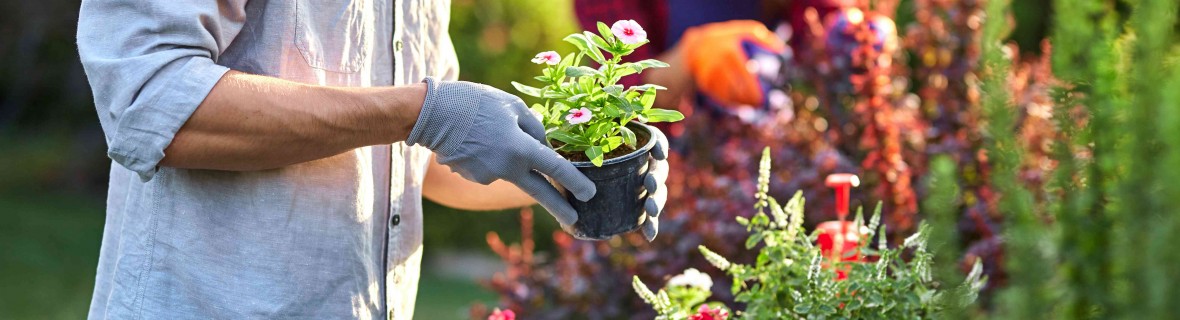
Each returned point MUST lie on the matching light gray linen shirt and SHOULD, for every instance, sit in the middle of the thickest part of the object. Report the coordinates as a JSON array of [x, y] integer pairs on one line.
[[339, 237]]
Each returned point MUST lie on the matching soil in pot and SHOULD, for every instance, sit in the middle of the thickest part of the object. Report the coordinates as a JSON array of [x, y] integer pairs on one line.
[[617, 207]]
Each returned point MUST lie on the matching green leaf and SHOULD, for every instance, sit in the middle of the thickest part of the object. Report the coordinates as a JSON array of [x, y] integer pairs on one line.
[[598, 41], [542, 78], [614, 90], [579, 40], [611, 143], [540, 109], [854, 304], [559, 106], [586, 83], [567, 137], [566, 61], [595, 155], [604, 30], [574, 98], [649, 86], [623, 72], [579, 71], [647, 100], [559, 70], [598, 129], [631, 95], [652, 63], [639, 66], [663, 115], [628, 136], [622, 103], [535, 92], [554, 94], [612, 112], [754, 239]]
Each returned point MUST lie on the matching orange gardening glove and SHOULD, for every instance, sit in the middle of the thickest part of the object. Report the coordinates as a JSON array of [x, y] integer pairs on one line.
[[717, 55]]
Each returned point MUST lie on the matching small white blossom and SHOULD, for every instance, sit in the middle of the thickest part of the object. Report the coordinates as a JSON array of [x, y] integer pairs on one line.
[[692, 278]]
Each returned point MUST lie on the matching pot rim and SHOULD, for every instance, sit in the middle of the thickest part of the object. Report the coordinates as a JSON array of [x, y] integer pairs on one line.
[[651, 142]]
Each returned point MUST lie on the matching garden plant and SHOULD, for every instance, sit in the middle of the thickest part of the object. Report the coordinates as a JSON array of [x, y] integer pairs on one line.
[[792, 279]]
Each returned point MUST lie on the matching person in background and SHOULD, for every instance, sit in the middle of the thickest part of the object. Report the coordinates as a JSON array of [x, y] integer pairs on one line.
[[710, 43]]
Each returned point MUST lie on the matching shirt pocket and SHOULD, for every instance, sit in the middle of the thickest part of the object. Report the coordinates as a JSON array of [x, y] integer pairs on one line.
[[334, 35]]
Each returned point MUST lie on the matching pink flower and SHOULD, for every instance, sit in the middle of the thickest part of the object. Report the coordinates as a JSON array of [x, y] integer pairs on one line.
[[547, 57], [705, 313], [577, 116], [628, 31], [506, 314]]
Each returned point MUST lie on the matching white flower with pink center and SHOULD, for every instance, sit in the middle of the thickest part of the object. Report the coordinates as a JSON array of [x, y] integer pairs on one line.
[[579, 116], [547, 57], [628, 31]]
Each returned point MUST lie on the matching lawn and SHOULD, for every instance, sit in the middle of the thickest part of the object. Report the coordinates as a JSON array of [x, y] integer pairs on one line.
[[49, 246]]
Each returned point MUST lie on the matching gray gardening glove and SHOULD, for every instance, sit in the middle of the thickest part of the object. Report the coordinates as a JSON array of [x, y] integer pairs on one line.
[[656, 190], [486, 134]]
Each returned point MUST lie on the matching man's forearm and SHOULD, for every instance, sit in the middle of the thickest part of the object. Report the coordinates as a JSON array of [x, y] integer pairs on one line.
[[450, 189], [250, 122]]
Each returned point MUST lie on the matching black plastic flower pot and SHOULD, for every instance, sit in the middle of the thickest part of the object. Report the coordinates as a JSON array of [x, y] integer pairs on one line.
[[617, 207]]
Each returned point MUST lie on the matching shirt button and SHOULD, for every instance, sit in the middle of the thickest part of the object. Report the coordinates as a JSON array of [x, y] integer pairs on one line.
[[396, 220], [397, 46]]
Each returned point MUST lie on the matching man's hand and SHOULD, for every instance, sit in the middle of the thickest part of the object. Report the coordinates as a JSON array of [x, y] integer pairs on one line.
[[486, 134], [657, 192]]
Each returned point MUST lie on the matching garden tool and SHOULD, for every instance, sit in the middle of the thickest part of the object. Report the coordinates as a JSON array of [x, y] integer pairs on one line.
[[838, 240]]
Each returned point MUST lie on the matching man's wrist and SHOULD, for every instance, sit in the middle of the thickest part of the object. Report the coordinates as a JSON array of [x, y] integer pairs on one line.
[[398, 109], [446, 116]]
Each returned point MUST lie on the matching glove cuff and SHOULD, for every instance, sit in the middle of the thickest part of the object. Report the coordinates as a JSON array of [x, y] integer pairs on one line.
[[446, 117]]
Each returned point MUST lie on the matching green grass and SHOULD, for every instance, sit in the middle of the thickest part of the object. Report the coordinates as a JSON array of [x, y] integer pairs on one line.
[[448, 298], [48, 253]]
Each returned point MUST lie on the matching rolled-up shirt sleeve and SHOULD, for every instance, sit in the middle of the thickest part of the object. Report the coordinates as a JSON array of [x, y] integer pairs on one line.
[[150, 64]]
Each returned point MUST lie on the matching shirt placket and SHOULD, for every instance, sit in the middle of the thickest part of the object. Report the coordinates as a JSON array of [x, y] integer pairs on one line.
[[395, 231], [397, 170]]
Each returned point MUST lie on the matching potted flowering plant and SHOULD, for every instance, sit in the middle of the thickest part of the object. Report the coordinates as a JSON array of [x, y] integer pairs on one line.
[[598, 124]]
